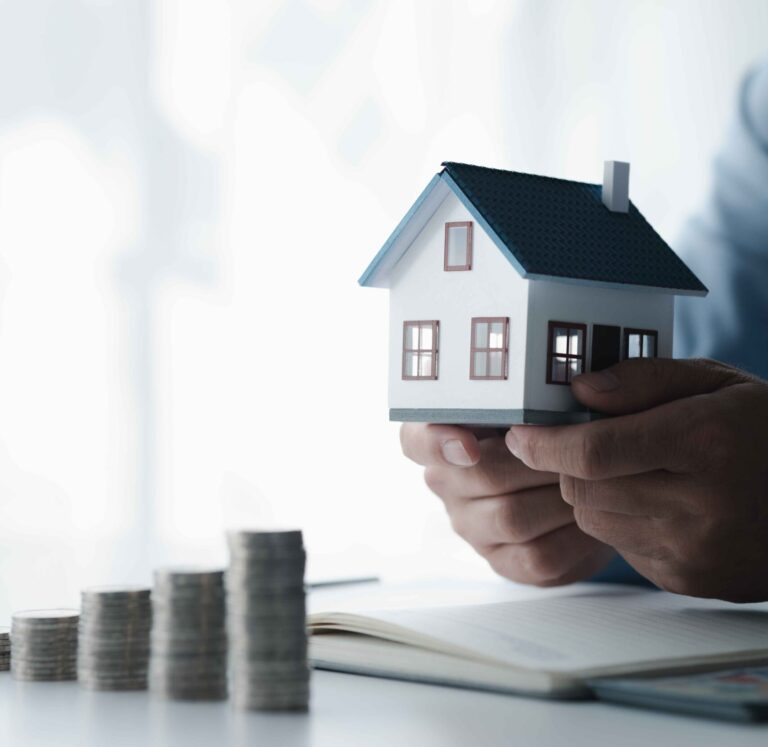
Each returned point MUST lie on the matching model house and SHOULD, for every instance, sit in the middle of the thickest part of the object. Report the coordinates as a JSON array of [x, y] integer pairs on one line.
[[504, 286]]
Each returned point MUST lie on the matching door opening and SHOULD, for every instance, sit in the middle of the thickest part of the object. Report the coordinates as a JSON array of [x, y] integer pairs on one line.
[[606, 346]]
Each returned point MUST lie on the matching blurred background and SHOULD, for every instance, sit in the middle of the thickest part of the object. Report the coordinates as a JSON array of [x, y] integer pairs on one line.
[[189, 190]]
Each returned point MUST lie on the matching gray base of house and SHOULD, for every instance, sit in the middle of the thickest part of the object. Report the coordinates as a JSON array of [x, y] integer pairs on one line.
[[495, 418]]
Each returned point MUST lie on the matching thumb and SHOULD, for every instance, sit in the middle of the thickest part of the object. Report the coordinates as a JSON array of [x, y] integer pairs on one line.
[[641, 383]]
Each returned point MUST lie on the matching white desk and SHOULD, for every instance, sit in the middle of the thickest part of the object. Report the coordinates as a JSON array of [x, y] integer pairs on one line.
[[346, 710], [351, 710]]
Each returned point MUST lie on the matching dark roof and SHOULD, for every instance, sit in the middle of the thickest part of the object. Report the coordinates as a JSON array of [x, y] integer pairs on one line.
[[561, 228]]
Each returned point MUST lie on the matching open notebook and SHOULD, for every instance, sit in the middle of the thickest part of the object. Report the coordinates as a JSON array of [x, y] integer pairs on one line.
[[545, 646]]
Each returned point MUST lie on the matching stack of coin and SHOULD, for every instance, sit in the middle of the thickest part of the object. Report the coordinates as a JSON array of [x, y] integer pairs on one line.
[[113, 648], [5, 649], [44, 645], [266, 616], [189, 635]]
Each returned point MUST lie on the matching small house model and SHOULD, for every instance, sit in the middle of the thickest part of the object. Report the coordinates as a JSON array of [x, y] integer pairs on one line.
[[504, 286]]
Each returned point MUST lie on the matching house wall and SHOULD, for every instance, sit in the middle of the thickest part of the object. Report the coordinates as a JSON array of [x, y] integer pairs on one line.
[[564, 302], [420, 289]]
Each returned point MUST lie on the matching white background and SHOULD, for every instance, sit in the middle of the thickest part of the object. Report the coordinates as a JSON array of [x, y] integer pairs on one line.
[[189, 190]]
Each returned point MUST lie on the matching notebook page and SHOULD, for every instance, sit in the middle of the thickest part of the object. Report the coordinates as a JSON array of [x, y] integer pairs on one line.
[[593, 630]]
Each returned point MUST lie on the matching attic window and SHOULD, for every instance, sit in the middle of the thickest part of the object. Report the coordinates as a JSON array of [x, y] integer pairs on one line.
[[565, 351], [489, 347], [458, 246], [640, 343], [420, 349]]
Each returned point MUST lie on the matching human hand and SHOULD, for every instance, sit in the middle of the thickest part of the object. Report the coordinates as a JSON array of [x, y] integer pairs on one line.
[[678, 484], [513, 516]]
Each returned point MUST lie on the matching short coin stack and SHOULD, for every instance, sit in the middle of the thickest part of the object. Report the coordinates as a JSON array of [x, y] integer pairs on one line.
[[44, 645], [189, 635], [266, 615], [113, 648], [5, 649]]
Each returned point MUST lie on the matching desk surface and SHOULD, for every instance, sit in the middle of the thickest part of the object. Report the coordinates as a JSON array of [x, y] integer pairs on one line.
[[346, 710]]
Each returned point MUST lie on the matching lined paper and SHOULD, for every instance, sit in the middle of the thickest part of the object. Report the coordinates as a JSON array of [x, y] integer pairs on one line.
[[591, 630]]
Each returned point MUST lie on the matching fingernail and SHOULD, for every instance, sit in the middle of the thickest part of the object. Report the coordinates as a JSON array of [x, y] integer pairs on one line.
[[455, 453], [512, 443], [599, 381]]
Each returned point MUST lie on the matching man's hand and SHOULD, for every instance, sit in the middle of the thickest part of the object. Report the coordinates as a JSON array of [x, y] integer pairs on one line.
[[513, 516], [678, 484]]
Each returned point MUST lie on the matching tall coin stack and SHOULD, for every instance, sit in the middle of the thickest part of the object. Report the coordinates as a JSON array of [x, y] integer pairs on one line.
[[266, 615], [189, 635], [113, 647], [5, 649], [44, 645]]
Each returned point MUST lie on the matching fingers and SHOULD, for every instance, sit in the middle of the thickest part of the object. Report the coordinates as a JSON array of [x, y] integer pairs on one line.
[[497, 473], [642, 383], [637, 535], [515, 518], [425, 444], [658, 494], [632, 444], [561, 556]]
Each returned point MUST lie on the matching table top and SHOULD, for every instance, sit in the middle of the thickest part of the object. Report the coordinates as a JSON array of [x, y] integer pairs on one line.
[[349, 709], [345, 710]]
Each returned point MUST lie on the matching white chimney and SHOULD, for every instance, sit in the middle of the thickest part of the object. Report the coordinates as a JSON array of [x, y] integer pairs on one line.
[[616, 186]]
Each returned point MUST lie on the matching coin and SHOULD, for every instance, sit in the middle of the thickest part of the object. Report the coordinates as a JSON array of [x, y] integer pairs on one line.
[[113, 650], [189, 635], [266, 620], [43, 645]]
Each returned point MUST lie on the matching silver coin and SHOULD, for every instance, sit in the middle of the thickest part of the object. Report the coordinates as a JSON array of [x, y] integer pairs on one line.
[[121, 621], [19, 671], [115, 591], [24, 647], [242, 567], [267, 592], [176, 673], [194, 618], [42, 671], [288, 650], [258, 610], [209, 592], [46, 617], [115, 615], [44, 665], [267, 668], [177, 649], [115, 661], [115, 643], [181, 577], [51, 633], [113, 638], [255, 628], [186, 637], [29, 677], [122, 685], [265, 538]]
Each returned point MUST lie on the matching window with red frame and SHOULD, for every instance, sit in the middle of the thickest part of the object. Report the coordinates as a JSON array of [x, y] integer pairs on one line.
[[565, 351], [458, 246], [420, 341], [489, 347], [640, 343]]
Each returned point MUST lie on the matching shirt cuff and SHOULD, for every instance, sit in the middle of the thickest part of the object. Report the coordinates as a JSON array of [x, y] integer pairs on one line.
[[618, 571]]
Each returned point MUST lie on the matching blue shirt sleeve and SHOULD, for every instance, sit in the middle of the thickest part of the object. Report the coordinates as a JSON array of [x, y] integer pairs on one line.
[[618, 571], [726, 245]]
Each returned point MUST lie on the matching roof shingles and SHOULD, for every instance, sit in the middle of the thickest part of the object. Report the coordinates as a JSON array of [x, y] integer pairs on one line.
[[561, 228]]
